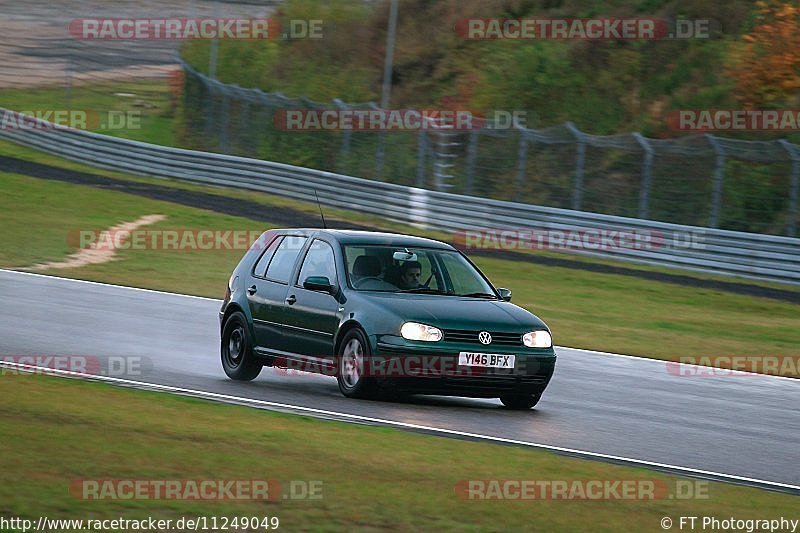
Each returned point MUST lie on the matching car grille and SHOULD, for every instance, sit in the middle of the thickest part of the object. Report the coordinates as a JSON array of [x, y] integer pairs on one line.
[[470, 336], [470, 385]]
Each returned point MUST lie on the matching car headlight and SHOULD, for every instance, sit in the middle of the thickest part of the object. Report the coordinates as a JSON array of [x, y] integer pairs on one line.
[[537, 339], [420, 332]]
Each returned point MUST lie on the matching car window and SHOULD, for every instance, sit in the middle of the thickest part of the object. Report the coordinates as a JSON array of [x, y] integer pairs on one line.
[[319, 261], [260, 269], [427, 276], [352, 253], [280, 268], [462, 275], [437, 271]]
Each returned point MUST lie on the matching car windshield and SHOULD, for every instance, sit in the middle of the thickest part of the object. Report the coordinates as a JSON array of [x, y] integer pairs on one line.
[[414, 270]]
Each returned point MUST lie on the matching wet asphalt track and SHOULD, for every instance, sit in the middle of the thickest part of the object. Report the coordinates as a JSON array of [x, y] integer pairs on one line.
[[744, 425]]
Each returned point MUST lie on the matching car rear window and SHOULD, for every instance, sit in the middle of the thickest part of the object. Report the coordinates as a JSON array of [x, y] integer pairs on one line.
[[261, 267], [280, 268]]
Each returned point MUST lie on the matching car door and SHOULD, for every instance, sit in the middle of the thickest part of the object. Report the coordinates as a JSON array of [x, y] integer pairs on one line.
[[312, 317], [266, 293]]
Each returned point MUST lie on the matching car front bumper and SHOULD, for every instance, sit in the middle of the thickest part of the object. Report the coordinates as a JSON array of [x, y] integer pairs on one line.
[[426, 369]]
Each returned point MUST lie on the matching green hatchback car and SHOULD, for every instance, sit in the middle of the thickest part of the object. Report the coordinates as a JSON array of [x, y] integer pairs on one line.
[[382, 313]]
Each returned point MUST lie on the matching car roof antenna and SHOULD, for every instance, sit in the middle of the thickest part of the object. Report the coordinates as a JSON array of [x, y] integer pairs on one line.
[[320, 209]]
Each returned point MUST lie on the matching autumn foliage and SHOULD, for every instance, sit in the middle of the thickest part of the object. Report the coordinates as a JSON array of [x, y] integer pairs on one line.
[[766, 65]]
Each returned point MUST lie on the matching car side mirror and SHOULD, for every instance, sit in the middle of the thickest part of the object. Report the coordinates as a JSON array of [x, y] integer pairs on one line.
[[505, 294], [318, 283]]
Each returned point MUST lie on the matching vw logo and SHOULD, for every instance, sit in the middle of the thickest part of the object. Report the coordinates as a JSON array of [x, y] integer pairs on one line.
[[485, 337]]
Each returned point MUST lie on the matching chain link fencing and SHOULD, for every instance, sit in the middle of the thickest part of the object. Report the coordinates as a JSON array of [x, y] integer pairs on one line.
[[701, 180]]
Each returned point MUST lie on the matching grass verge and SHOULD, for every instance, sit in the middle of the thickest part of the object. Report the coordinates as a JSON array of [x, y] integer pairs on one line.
[[143, 110], [13, 150], [366, 472]]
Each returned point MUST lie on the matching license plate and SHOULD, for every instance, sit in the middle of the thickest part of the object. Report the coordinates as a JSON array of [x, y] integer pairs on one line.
[[486, 360]]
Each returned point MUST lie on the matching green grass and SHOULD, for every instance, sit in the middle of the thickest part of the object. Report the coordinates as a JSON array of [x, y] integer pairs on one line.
[[41, 217], [586, 310], [13, 150], [372, 478], [148, 101]]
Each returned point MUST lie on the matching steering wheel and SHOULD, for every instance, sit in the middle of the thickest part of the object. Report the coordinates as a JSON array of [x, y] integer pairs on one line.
[[360, 281]]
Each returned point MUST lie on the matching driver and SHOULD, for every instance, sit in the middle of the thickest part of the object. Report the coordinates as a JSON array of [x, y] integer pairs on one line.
[[410, 273]]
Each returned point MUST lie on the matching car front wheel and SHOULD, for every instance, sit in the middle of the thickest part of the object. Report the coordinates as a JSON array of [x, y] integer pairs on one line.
[[236, 350], [520, 402], [353, 365]]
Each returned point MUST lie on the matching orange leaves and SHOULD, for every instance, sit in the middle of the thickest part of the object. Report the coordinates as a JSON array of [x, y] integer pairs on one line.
[[766, 67]]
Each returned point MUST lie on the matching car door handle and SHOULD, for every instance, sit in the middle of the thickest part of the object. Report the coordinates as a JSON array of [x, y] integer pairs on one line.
[[291, 299], [252, 290]]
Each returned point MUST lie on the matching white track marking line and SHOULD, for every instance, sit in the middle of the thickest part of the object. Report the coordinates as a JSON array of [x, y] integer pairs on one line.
[[585, 350], [418, 427], [672, 362], [100, 283]]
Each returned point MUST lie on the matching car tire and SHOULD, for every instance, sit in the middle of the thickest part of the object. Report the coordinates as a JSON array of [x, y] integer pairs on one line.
[[520, 402], [236, 350], [351, 363]]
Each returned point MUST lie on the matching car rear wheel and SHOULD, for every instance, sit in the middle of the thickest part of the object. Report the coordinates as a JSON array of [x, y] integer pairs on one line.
[[236, 350], [352, 366], [520, 401]]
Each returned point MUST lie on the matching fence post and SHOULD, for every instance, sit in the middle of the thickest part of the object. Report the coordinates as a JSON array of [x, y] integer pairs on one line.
[[522, 159], [577, 187], [225, 120], [472, 156], [441, 155], [211, 107], [264, 118], [794, 185], [212, 53], [719, 178], [347, 134], [381, 151], [68, 73], [244, 124], [647, 169], [422, 149], [212, 76]]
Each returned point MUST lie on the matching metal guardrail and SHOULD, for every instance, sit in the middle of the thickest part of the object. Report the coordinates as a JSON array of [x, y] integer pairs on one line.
[[704, 180], [750, 255]]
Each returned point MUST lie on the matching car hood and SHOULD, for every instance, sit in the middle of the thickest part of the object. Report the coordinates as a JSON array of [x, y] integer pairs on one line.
[[453, 312]]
